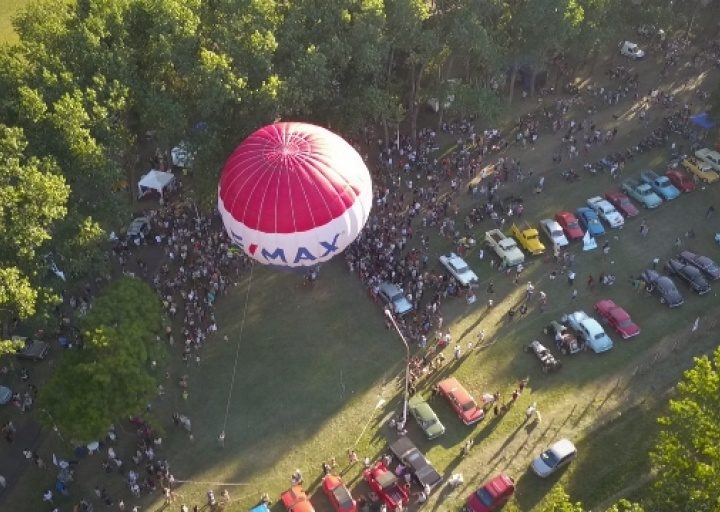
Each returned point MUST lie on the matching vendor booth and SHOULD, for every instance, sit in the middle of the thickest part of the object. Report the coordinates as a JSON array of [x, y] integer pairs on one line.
[[156, 181]]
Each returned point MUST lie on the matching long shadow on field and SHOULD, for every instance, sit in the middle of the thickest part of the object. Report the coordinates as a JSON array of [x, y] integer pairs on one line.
[[303, 357]]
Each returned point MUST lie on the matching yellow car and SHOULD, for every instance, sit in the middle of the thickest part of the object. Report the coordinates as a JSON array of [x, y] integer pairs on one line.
[[528, 238], [700, 169]]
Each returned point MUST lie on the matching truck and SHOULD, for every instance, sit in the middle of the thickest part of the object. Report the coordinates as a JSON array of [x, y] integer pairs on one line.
[[411, 457], [505, 247], [642, 193], [529, 239]]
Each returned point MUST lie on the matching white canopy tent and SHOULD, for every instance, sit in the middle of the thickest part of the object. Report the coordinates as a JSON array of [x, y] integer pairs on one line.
[[156, 180]]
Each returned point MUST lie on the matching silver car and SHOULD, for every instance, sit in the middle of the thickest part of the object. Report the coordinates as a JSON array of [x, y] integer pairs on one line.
[[557, 456], [394, 296], [139, 228]]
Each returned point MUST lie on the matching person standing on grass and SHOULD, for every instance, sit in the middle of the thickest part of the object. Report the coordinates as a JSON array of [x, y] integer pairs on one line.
[[571, 277]]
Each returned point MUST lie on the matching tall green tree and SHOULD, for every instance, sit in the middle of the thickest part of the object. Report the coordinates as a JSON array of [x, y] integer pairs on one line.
[[558, 500], [33, 198], [686, 457], [113, 375]]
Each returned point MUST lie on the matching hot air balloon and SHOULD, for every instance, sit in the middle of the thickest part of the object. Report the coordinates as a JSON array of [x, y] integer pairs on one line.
[[294, 195]]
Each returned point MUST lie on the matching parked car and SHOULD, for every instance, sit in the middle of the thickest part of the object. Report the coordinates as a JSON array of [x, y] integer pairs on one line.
[[492, 495], [416, 462], [589, 221], [690, 274], [606, 211], [565, 341], [570, 225], [622, 203], [35, 350], [393, 295], [681, 180], [5, 395], [461, 401], [528, 238], [608, 163], [661, 185], [425, 417], [548, 361], [710, 157], [708, 266], [560, 454], [618, 318], [338, 494], [663, 287], [458, 269], [296, 500], [386, 485], [554, 232], [631, 50], [590, 331], [138, 228], [505, 247], [702, 170], [642, 193]]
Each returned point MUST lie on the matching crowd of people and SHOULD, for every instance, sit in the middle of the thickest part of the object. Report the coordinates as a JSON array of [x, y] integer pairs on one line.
[[189, 260]]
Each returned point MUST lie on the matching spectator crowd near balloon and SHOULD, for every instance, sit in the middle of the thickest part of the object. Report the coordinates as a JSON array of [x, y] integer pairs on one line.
[[295, 195]]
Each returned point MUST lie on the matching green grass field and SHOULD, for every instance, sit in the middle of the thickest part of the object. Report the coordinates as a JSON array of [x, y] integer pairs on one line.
[[315, 363], [318, 373], [8, 9]]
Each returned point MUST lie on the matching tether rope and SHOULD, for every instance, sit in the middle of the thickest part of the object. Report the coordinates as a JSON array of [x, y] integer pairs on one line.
[[237, 350]]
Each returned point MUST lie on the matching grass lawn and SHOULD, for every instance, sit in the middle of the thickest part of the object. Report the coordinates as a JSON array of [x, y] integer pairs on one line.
[[318, 373], [8, 9], [315, 363]]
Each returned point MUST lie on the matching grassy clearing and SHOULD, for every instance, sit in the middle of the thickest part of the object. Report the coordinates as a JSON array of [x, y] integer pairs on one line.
[[317, 370], [8, 9]]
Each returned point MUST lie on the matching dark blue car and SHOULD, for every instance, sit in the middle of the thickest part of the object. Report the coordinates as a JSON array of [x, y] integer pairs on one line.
[[589, 221]]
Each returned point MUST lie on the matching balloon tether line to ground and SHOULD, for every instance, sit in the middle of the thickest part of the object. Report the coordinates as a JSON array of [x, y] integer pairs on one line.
[[237, 349]]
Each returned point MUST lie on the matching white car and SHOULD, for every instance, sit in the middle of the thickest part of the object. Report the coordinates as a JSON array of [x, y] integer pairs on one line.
[[558, 455], [590, 330], [554, 232], [631, 50], [606, 211], [459, 269], [710, 157], [394, 297]]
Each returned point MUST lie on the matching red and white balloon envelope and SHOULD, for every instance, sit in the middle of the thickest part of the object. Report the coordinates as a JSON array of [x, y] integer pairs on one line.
[[294, 195]]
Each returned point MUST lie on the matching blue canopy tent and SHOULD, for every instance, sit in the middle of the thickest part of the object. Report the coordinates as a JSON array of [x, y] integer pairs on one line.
[[703, 120], [262, 507]]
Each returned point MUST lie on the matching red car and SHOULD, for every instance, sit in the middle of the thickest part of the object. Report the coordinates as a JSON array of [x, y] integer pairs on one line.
[[492, 495], [618, 318], [622, 203], [295, 500], [570, 225], [682, 181], [461, 401], [386, 485], [338, 494]]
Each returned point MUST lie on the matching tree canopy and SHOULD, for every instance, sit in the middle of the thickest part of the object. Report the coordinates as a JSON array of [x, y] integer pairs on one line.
[[686, 457], [113, 374]]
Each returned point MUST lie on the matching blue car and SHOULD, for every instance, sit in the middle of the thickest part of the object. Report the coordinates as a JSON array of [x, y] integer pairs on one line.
[[589, 221], [661, 185]]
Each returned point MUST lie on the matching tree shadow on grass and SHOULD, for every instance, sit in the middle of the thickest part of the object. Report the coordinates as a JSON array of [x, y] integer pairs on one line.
[[300, 363]]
